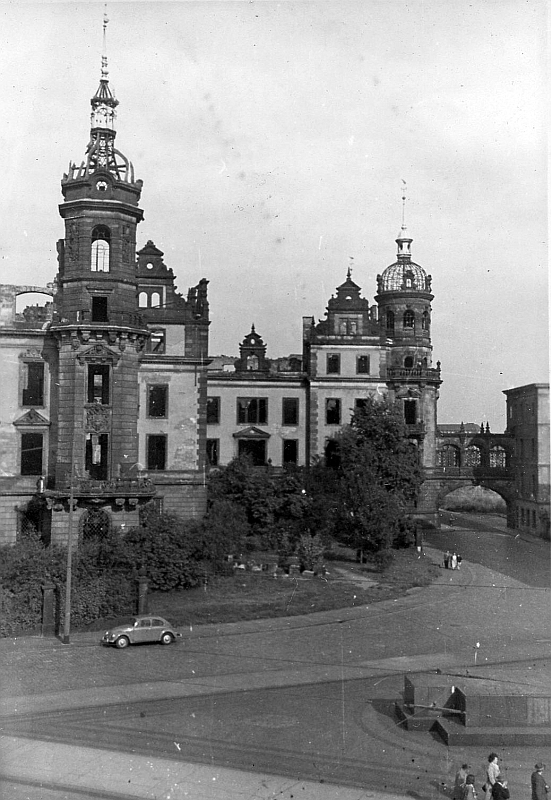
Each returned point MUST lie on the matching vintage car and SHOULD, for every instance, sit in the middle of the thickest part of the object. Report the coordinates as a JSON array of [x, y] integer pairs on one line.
[[145, 628]]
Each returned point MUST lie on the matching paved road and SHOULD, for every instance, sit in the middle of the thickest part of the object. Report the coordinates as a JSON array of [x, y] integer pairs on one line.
[[485, 539], [307, 699]]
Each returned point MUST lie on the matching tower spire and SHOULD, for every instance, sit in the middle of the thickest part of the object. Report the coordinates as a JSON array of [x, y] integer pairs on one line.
[[404, 241], [104, 70]]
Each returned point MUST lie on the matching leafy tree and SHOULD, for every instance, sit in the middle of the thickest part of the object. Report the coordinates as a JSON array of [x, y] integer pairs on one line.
[[268, 498], [379, 476]]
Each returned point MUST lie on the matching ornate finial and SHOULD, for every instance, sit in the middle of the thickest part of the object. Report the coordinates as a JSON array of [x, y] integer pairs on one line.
[[252, 328], [404, 190], [104, 70], [350, 265]]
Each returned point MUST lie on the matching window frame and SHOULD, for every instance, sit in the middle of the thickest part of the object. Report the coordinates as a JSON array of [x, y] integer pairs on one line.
[[285, 412], [336, 359], [286, 443], [22, 450], [363, 359], [155, 387], [243, 415], [213, 459], [158, 437], [213, 400], [26, 368], [105, 371], [337, 411]]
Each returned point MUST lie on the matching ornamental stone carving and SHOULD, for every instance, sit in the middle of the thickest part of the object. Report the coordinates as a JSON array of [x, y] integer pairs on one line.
[[98, 419]]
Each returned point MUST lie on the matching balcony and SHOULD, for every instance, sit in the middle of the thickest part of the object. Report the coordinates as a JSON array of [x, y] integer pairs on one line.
[[117, 488], [127, 319], [415, 374]]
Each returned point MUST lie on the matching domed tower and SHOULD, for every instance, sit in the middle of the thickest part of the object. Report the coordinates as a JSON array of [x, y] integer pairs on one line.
[[98, 329], [404, 300]]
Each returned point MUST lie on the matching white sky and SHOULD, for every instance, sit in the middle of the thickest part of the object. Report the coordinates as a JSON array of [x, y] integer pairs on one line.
[[272, 139]]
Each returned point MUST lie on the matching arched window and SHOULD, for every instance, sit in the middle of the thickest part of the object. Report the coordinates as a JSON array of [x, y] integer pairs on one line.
[[252, 362], [390, 320], [408, 362], [155, 300], [143, 300], [498, 457], [473, 457], [448, 457], [409, 319], [101, 246], [425, 321]]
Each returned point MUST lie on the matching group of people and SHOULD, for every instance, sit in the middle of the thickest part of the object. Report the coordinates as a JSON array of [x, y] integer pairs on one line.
[[495, 786], [452, 560]]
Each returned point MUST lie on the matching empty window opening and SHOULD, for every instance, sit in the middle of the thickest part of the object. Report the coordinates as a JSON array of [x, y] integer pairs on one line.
[[156, 342], [33, 391], [252, 410], [155, 300], [290, 410], [213, 410], [31, 453], [362, 365], [390, 320], [157, 401], [409, 319], [143, 300], [98, 384], [99, 309], [333, 364], [156, 452], [410, 412], [101, 246], [255, 449], [213, 452], [97, 456], [290, 451], [333, 411]]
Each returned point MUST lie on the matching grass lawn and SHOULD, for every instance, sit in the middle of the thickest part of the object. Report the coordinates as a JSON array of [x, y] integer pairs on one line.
[[250, 595]]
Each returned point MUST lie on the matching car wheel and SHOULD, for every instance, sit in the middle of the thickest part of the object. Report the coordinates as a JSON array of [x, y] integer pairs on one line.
[[167, 638], [122, 641]]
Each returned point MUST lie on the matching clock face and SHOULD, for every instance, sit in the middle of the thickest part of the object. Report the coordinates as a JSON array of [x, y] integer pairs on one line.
[[149, 265], [101, 186]]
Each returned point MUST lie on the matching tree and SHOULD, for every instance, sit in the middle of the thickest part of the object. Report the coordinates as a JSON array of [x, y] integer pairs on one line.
[[379, 477]]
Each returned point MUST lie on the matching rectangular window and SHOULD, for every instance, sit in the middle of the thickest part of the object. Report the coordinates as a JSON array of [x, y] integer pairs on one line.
[[333, 411], [33, 391], [290, 410], [410, 412], [360, 403], [99, 309], [156, 452], [156, 342], [31, 453], [213, 410], [157, 401], [362, 365], [290, 451], [97, 456], [333, 364], [252, 410], [98, 384], [213, 452]]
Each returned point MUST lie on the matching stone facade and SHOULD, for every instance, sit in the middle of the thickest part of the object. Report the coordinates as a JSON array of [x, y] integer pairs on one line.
[[103, 407]]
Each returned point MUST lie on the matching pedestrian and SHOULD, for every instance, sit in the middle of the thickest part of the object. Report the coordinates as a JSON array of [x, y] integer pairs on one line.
[[447, 557], [492, 771], [469, 792], [460, 779], [500, 790], [459, 560], [454, 561], [539, 786]]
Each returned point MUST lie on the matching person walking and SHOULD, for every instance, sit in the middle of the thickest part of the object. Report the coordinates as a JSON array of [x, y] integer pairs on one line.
[[454, 561], [492, 771], [469, 792], [447, 556], [460, 780], [539, 786], [500, 790]]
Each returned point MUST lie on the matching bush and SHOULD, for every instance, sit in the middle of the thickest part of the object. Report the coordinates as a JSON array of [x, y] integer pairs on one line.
[[310, 551]]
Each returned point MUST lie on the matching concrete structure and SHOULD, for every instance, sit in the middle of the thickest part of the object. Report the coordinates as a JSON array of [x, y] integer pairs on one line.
[[104, 395]]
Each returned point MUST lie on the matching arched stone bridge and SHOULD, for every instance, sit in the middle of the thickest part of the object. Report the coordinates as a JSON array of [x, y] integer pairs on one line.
[[466, 458]]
